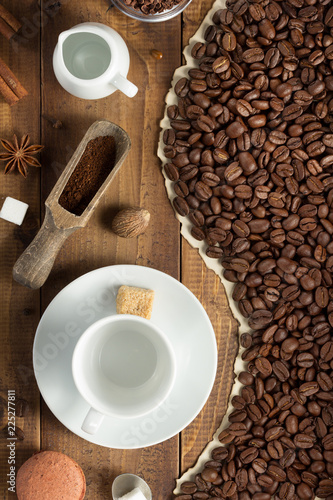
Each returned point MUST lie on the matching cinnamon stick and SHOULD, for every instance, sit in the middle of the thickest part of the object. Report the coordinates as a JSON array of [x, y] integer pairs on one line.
[[13, 84], [7, 93], [6, 30], [9, 25]]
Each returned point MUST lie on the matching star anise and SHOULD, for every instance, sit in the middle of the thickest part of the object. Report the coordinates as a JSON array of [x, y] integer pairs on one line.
[[20, 155]]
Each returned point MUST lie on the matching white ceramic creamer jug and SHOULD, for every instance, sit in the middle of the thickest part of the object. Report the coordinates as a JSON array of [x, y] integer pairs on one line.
[[91, 61]]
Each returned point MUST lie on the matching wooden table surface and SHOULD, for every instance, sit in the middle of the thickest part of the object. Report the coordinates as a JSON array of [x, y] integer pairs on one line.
[[140, 182]]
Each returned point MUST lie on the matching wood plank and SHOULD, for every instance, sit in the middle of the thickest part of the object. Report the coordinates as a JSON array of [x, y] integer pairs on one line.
[[139, 182], [19, 307], [207, 287], [209, 290]]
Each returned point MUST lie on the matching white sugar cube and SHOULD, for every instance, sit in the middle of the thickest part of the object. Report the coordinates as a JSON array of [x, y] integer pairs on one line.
[[13, 210], [135, 494]]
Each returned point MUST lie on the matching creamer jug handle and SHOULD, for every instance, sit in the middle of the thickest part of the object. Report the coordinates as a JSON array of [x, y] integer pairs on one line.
[[121, 83]]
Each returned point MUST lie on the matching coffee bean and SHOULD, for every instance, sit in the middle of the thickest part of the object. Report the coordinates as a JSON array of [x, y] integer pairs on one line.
[[248, 455], [229, 488], [209, 474], [237, 429], [303, 491], [235, 130], [246, 378], [275, 450], [254, 413], [258, 226], [308, 388], [182, 87], [241, 229], [326, 352], [257, 121], [198, 233], [243, 192], [290, 345], [325, 488], [241, 479], [291, 112], [229, 41], [238, 416], [303, 441], [288, 458], [188, 172], [305, 360], [325, 382], [198, 50], [219, 453], [272, 57], [265, 481], [274, 433], [250, 153], [188, 487], [214, 252], [181, 206], [276, 473], [291, 292], [267, 29], [262, 364], [221, 64], [287, 491], [259, 319], [253, 55], [202, 191]]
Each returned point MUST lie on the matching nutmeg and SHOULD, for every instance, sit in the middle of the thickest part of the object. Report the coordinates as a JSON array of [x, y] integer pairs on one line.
[[131, 222]]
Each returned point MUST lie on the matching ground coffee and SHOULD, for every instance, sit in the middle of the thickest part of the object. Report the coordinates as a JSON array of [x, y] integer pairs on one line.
[[91, 171]]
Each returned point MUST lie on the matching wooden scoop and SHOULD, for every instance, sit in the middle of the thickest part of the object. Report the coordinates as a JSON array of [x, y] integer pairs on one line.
[[35, 264]]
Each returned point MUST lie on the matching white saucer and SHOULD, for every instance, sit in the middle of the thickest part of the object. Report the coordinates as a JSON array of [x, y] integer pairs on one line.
[[176, 311]]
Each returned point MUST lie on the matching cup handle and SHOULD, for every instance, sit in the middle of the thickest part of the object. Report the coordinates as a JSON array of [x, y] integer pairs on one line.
[[92, 421], [122, 84]]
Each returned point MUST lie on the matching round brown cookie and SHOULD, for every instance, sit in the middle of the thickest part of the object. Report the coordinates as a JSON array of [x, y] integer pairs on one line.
[[50, 475]]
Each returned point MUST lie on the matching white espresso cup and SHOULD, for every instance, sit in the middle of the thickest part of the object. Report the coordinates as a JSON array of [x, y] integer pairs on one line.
[[124, 367], [91, 61]]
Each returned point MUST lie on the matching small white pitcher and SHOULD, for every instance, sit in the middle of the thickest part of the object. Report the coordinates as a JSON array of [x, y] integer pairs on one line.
[[91, 61]]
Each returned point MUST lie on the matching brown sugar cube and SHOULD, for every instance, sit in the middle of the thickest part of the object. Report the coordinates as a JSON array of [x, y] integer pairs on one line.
[[134, 300]]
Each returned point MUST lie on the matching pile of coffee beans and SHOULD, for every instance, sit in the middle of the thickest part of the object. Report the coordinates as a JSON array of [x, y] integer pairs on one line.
[[250, 149], [149, 7]]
